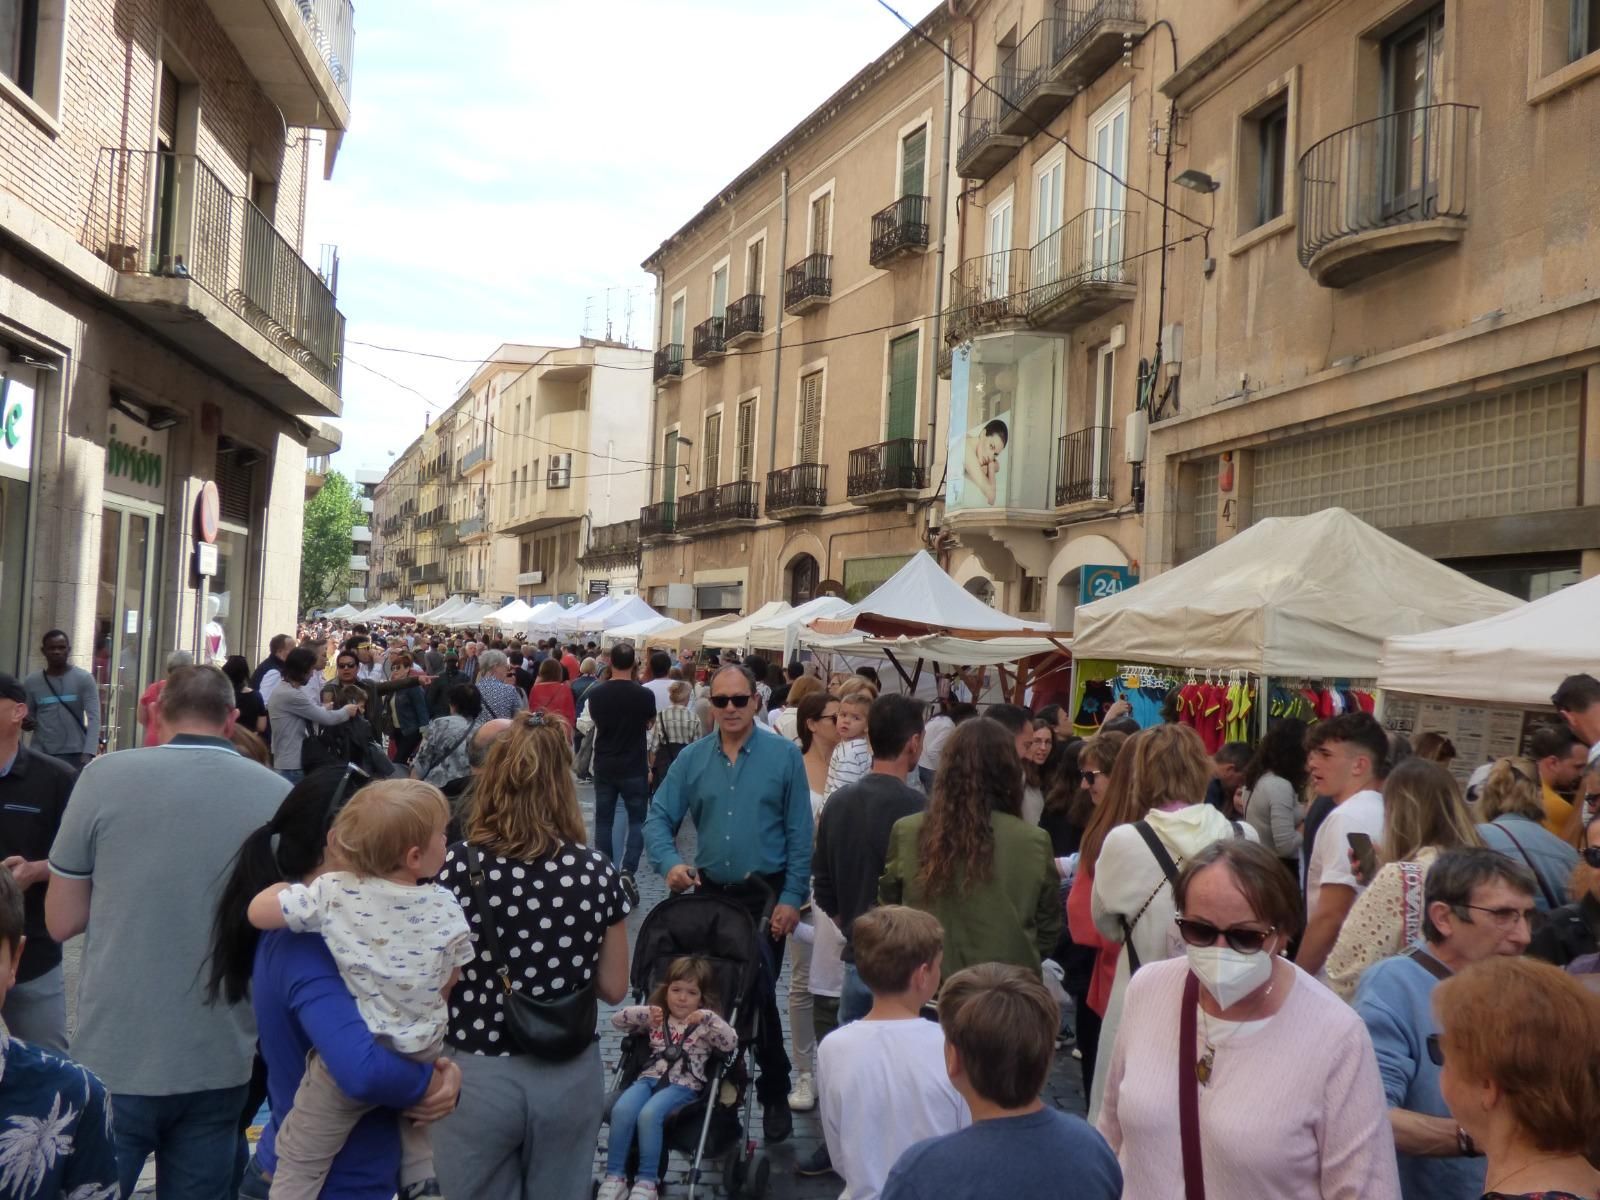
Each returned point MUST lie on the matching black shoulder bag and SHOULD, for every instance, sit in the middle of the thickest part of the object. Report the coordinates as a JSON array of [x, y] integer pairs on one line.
[[555, 1030], [1168, 869]]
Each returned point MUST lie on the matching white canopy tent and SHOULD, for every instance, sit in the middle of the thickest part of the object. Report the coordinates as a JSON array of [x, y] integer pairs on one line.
[[568, 621], [1517, 657], [920, 597], [471, 616], [343, 611], [1290, 596], [620, 610], [782, 631], [513, 614], [688, 635], [443, 612], [737, 634], [636, 631], [386, 612]]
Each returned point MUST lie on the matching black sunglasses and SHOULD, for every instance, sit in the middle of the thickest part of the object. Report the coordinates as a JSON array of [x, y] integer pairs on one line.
[[1435, 1050], [1089, 777], [1204, 933], [1591, 855], [736, 701]]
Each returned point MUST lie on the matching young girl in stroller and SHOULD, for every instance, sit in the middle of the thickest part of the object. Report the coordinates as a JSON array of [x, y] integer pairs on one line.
[[684, 1031]]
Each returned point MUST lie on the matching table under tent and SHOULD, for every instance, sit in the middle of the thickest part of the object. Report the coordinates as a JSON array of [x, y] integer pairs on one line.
[[1286, 618]]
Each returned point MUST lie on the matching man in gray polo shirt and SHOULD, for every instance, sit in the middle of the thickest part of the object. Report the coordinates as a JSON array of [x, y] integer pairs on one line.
[[137, 867]]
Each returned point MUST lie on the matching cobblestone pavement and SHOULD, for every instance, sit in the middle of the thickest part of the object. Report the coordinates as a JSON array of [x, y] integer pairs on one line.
[[1064, 1089]]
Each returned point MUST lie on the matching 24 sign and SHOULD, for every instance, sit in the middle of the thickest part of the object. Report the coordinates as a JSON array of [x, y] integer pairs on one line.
[[1098, 582]]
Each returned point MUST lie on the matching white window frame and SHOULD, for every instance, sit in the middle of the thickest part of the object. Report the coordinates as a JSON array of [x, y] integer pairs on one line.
[[725, 265], [682, 294], [1118, 105], [1056, 159], [760, 284], [998, 284], [1104, 393], [826, 189], [810, 368], [924, 120]]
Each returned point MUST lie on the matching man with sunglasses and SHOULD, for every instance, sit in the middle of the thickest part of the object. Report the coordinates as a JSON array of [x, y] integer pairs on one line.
[[747, 792], [1476, 904]]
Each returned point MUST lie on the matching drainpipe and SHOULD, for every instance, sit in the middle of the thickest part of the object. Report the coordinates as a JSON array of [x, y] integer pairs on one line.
[[660, 274], [777, 348], [938, 261]]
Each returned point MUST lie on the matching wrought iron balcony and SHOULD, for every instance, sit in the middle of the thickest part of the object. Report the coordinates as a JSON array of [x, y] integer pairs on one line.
[[1090, 36], [156, 214], [1083, 465], [1385, 191], [888, 471], [471, 527], [615, 543], [798, 490], [1083, 269], [658, 520], [899, 229], [426, 573], [405, 558], [728, 504], [1033, 90], [388, 579], [989, 293], [669, 363], [808, 284], [983, 148], [742, 321], [332, 26], [708, 340], [478, 456]]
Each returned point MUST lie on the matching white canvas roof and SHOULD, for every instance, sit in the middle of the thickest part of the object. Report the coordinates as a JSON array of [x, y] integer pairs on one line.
[[344, 610], [618, 610], [1289, 596], [736, 633], [781, 632], [445, 611], [946, 651], [1516, 657], [512, 614], [689, 635], [920, 593], [635, 630], [469, 616]]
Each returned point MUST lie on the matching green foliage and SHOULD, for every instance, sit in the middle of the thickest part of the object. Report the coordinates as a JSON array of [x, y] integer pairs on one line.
[[325, 550]]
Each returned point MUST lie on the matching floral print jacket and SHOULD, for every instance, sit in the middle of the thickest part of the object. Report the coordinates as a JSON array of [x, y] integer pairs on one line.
[[704, 1033], [55, 1128]]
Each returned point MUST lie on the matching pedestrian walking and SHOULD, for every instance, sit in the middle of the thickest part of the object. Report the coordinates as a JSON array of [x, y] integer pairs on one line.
[[623, 713], [294, 715], [64, 705]]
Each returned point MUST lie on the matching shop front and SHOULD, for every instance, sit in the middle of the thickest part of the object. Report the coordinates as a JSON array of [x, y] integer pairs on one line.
[[18, 388]]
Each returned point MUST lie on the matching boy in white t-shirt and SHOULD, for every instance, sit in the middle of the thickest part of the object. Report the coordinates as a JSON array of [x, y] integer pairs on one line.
[[399, 944], [886, 1072]]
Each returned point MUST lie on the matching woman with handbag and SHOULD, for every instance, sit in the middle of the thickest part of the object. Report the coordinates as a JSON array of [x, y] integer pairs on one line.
[[442, 757], [548, 915], [1292, 1104], [1511, 809]]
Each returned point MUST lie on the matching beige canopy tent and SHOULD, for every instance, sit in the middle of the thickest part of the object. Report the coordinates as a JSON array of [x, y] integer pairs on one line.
[[737, 633], [688, 636]]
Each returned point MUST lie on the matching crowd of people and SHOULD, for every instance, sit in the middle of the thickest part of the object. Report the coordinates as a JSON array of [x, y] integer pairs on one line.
[[352, 887]]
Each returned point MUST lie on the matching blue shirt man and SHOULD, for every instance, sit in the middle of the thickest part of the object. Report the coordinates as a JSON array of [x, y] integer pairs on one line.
[[751, 804]]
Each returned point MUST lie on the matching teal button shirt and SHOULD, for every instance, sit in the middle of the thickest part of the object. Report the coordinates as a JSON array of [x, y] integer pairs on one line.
[[752, 814]]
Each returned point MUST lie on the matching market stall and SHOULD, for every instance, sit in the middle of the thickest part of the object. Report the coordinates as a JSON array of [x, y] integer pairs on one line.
[[1290, 607], [636, 631], [687, 636], [782, 631], [471, 615], [606, 613], [736, 635], [511, 617]]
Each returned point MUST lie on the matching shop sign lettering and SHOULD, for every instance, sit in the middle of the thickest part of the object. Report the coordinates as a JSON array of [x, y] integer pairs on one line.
[[132, 463], [11, 428]]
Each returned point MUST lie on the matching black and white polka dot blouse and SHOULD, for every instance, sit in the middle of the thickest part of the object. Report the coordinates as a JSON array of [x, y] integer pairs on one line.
[[551, 916]]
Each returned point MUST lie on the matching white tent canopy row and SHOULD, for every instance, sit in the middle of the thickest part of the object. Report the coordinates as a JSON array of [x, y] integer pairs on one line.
[[384, 612], [440, 612], [921, 593], [1311, 596], [943, 649], [605, 613], [471, 616], [637, 630], [737, 633], [782, 632]]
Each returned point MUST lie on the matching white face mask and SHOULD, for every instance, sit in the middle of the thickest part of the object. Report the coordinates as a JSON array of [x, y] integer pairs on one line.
[[1227, 974]]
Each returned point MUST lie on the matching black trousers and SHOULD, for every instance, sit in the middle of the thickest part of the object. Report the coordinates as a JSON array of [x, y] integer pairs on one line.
[[772, 1059]]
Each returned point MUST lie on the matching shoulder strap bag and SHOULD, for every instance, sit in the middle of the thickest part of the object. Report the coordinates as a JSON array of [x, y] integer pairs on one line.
[[1169, 869], [555, 1030], [1538, 878], [1194, 1180], [1427, 962]]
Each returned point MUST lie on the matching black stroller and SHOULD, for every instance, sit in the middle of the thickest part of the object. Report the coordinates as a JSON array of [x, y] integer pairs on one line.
[[711, 1128]]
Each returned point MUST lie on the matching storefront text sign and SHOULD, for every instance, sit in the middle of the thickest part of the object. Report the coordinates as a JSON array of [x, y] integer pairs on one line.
[[1096, 583], [16, 426], [136, 461]]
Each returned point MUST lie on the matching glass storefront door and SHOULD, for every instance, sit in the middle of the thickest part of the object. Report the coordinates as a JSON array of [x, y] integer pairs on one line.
[[125, 620]]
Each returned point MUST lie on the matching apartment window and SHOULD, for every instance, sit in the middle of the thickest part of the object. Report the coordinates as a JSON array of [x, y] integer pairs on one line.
[[810, 437], [901, 417], [719, 290], [679, 316], [1108, 140], [1270, 130], [669, 466], [913, 162], [754, 261], [1583, 28], [821, 222], [745, 439], [711, 452], [31, 45]]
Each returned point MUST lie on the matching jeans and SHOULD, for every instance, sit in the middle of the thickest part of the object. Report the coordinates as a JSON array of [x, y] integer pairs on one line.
[[855, 998], [194, 1136], [256, 1184], [293, 776], [36, 1011], [635, 794], [642, 1111]]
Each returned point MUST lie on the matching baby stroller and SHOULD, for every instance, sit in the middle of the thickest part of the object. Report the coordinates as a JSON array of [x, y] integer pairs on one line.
[[710, 1128]]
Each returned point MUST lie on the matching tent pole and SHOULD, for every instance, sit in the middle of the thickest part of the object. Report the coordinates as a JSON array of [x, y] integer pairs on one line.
[[889, 654]]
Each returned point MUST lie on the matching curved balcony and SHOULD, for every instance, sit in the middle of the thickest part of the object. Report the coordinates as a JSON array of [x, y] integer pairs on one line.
[[808, 284], [797, 491], [901, 228], [1385, 191], [887, 472], [988, 294], [722, 507], [983, 148]]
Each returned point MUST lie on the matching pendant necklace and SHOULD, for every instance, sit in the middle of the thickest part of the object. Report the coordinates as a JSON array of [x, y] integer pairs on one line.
[[1204, 1064]]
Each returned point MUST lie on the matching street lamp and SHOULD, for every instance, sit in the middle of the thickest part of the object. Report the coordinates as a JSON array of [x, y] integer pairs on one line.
[[1197, 181]]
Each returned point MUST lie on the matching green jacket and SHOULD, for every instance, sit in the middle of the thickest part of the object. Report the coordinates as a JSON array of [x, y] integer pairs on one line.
[[1014, 916]]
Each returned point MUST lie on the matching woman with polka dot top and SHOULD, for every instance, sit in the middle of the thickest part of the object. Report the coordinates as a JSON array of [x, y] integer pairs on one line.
[[526, 1127]]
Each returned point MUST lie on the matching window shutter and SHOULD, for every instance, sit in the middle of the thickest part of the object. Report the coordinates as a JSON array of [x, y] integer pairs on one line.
[[821, 218], [811, 418], [902, 387], [669, 467], [746, 435], [712, 454], [753, 268], [913, 159]]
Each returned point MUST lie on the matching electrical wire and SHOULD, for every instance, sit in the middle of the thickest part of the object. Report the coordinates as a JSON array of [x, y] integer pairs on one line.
[[1038, 125]]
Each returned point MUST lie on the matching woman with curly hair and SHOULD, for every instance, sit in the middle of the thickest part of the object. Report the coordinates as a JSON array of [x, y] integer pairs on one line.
[[973, 862]]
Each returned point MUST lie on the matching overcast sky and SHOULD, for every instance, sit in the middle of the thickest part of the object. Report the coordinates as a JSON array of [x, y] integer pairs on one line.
[[508, 161]]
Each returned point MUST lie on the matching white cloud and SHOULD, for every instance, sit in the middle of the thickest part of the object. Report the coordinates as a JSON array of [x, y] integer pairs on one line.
[[509, 162]]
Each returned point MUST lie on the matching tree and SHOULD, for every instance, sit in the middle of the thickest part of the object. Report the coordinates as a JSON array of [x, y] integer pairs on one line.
[[325, 548]]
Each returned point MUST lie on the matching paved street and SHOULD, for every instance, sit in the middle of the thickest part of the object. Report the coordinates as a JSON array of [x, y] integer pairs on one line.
[[1064, 1090]]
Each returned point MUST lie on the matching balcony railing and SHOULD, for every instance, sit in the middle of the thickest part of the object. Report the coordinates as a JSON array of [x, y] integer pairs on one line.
[[388, 579], [616, 542], [901, 227], [989, 291], [659, 519], [708, 339], [742, 320], [156, 213], [1028, 80], [1084, 268], [474, 458], [669, 363], [405, 558], [332, 25], [1090, 36], [470, 527], [1395, 173], [898, 465], [721, 505], [983, 148], [808, 283], [426, 573], [1083, 465], [802, 486]]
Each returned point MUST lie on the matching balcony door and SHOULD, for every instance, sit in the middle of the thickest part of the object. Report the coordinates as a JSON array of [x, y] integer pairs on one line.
[[1108, 141], [821, 223], [1410, 140], [1049, 183], [745, 440], [679, 315], [719, 291], [754, 254], [997, 283], [913, 162], [711, 452], [1100, 439], [809, 439], [669, 468]]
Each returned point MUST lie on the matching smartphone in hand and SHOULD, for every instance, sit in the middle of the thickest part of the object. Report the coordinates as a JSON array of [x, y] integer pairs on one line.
[[1366, 859]]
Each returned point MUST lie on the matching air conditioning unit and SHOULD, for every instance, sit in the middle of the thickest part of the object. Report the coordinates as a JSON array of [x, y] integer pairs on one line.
[[1135, 433], [560, 472]]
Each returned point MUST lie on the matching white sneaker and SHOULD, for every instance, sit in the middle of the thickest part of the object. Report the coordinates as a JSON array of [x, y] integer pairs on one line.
[[804, 1096], [643, 1190], [613, 1189]]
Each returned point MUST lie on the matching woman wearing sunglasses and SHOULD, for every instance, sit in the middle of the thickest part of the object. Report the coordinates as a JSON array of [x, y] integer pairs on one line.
[[1573, 930], [1234, 1064], [1520, 1069]]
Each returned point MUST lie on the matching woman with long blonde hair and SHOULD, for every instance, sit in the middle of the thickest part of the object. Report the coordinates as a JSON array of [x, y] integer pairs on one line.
[[557, 910], [1423, 816], [1511, 815], [1155, 800]]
